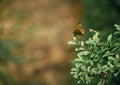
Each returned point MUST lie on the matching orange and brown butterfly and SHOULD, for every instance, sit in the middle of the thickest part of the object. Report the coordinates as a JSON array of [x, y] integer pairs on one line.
[[78, 30]]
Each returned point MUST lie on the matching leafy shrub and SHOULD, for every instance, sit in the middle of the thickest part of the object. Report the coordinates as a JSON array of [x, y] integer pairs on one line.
[[97, 58]]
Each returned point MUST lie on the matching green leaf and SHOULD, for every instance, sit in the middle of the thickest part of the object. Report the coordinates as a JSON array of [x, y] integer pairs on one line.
[[74, 38], [88, 79], [95, 49], [117, 56], [77, 60], [112, 58], [117, 26], [90, 42], [92, 71], [74, 69], [106, 55], [75, 76], [91, 62], [82, 78], [116, 44], [104, 67], [88, 69], [116, 74], [83, 53], [118, 65], [82, 43], [78, 81], [103, 50], [99, 65], [77, 65], [92, 55], [80, 58], [79, 49], [83, 68], [71, 42], [115, 49], [72, 73], [110, 64], [117, 33], [96, 38], [110, 38]]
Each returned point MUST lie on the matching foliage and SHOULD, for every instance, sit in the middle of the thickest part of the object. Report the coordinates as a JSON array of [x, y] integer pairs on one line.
[[96, 58]]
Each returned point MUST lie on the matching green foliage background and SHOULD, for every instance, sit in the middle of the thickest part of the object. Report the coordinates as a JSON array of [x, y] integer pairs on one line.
[[101, 15]]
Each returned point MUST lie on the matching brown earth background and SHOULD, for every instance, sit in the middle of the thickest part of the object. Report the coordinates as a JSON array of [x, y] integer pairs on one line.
[[43, 27]]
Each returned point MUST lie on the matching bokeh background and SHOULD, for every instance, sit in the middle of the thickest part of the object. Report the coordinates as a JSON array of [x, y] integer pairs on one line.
[[34, 36]]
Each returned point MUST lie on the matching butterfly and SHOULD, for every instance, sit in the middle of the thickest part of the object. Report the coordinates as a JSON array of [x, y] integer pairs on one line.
[[78, 30]]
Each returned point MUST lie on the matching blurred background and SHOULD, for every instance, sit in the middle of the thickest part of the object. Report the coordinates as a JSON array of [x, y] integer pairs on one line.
[[34, 36]]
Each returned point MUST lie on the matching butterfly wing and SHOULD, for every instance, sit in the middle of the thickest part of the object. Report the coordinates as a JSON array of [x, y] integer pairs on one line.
[[78, 30]]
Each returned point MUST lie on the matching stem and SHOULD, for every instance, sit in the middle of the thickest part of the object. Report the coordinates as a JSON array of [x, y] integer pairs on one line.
[[103, 80]]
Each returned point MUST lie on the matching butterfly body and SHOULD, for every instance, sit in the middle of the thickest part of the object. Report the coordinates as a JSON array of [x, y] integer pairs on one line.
[[78, 30]]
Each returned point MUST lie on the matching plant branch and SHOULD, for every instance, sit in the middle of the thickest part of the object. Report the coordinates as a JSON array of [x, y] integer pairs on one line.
[[103, 80]]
